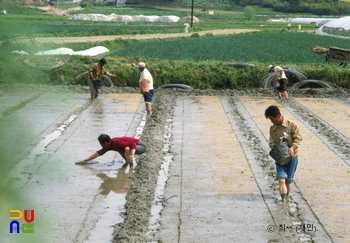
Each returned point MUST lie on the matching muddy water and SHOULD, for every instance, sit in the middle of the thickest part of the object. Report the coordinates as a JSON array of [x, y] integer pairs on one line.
[[292, 222], [114, 186], [210, 172], [72, 203], [219, 184], [116, 180]]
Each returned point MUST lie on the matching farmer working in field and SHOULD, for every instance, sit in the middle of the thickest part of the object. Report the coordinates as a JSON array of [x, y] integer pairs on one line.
[[281, 79], [95, 77], [127, 147], [186, 25], [146, 86], [284, 173]]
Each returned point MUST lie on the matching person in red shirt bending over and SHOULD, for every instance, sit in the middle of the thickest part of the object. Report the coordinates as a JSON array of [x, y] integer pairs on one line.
[[127, 147]]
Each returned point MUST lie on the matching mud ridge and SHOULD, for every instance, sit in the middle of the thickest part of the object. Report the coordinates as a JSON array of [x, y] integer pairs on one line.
[[334, 139], [142, 190], [13, 109], [339, 93], [25, 152], [345, 101]]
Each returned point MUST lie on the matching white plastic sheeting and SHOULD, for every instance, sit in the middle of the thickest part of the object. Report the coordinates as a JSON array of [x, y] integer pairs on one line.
[[317, 21], [281, 20], [123, 18], [67, 51], [189, 18], [94, 51], [143, 18], [336, 27], [168, 19], [58, 51], [99, 17], [83, 17]]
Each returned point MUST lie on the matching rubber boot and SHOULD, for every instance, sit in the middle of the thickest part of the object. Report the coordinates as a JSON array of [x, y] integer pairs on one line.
[[284, 197]]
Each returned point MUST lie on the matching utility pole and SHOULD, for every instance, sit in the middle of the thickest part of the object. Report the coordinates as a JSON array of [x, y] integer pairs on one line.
[[192, 13]]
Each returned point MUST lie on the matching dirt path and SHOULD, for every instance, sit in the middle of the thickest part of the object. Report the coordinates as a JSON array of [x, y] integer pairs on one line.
[[150, 36]]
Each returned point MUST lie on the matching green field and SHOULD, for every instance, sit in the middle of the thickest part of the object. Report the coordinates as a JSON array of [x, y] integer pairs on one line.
[[23, 21], [84, 29], [198, 61], [259, 47]]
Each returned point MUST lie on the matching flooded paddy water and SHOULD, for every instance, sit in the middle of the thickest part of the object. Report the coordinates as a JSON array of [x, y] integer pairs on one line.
[[206, 177]]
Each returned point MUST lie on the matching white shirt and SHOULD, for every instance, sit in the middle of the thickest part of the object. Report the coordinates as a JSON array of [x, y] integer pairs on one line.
[[186, 25], [146, 75], [277, 72]]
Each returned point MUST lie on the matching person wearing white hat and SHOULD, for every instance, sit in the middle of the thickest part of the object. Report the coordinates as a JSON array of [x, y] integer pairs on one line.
[[186, 25], [281, 79], [146, 86]]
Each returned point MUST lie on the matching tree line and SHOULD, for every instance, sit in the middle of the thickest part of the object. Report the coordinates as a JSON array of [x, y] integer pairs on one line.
[[318, 7]]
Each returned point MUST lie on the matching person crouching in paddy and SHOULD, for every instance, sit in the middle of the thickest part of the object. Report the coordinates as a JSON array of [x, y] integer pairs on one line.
[[127, 147]]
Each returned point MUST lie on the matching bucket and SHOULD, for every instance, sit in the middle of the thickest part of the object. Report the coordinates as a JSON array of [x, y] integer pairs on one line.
[[276, 84], [97, 84], [280, 153], [144, 88]]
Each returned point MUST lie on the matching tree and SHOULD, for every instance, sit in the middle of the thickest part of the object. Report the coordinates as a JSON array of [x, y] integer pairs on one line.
[[249, 13]]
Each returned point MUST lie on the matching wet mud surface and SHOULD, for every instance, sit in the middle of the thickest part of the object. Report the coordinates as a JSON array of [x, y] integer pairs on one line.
[[288, 219], [219, 184]]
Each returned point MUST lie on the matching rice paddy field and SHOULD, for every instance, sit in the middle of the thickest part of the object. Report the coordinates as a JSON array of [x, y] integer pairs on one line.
[[224, 109]]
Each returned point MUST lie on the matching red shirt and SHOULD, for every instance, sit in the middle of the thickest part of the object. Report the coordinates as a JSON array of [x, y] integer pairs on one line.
[[119, 143]]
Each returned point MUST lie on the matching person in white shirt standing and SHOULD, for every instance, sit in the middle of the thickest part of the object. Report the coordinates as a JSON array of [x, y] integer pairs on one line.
[[146, 86], [281, 80], [186, 25]]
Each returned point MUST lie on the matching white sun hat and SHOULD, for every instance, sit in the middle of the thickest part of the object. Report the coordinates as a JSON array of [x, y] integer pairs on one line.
[[141, 65]]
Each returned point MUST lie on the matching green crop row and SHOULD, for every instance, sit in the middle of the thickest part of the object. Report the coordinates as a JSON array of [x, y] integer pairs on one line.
[[27, 20], [268, 47], [200, 62], [83, 29]]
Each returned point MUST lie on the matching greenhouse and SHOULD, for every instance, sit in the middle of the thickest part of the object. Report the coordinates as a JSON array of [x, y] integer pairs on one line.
[[337, 27]]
